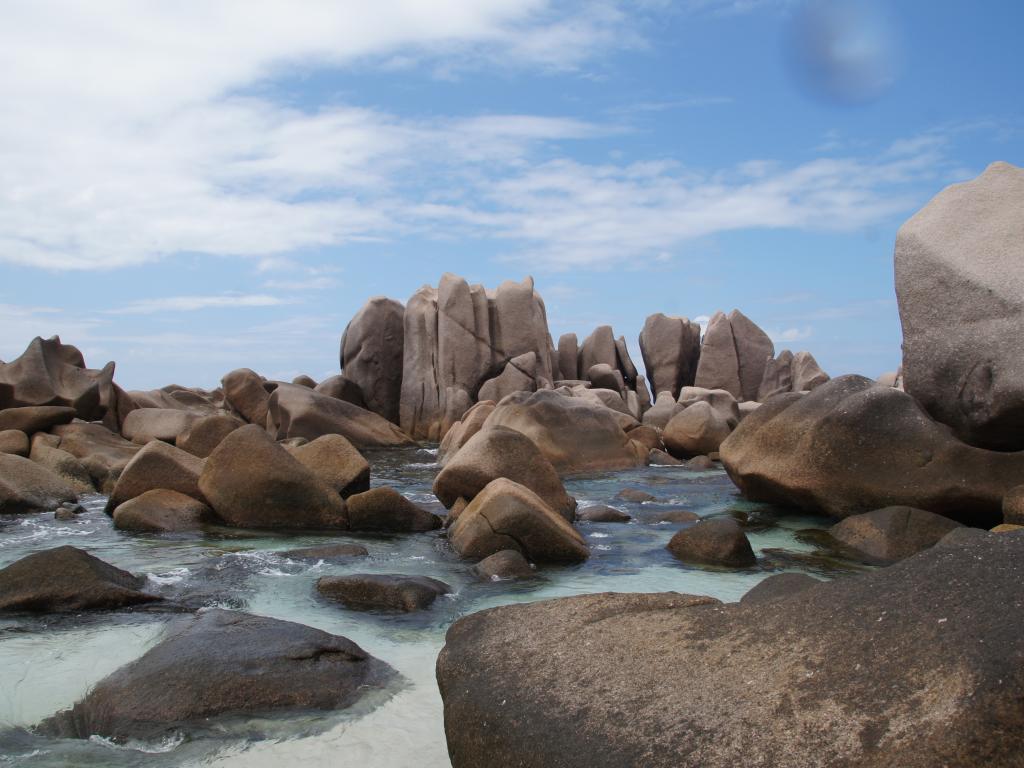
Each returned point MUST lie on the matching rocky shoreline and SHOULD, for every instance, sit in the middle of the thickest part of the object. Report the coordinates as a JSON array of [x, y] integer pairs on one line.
[[914, 664]]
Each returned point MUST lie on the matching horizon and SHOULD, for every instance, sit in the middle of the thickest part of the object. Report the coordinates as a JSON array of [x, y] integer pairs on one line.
[[195, 189]]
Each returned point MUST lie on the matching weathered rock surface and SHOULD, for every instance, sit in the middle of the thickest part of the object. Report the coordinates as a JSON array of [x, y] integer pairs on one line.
[[386, 510], [371, 355], [26, 486], [892, 533], [573, 435], [568, 356], [246, 393], [14, 441], [801, 682], [144, 425], [158, 465], [337, 463], [507, 565], [778, 586], [661, 413], [852, 446], [162, 511], [670, 347], [519, 375], [807, 374], [64, 465], [696, 430], [380, 591], [343, 389], [507, 515], [501, 452], [719, 367], [204, 434], [103, 453], [252, 482], [960, 288], [715, 541], [35, 418], [68, 579], [463, 430], [778, 376], [223, 663], [301, 412]]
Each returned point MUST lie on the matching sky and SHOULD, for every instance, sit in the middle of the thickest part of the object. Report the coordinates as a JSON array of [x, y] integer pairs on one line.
[[191, 187]]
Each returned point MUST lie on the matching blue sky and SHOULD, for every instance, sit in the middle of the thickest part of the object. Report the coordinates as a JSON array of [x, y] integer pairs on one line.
[[191, 187]]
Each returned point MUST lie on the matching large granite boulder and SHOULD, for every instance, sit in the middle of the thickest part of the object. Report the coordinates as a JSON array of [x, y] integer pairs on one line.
[[670, 347], [463, 430], [342, 389], [158, 465], [807, 374], [35, 418], [715, 541], [144, 425], [573, 434], [336, 461], [252, 482], [385, 510], [26, 486], [64, 465], [51, 373], [507, 515], [519, 375], [103, 453], [960, 288], [917, 665], [695, 431], [68, 579], [294, 411], [597, 349], [568, 356], [162, 511], [501, 452], [15, 442], [175, 397], [204, 434], [247, 394], [223, 663], [371, 355], [886, 535], [853, 445], [733, 355], [778, 376]]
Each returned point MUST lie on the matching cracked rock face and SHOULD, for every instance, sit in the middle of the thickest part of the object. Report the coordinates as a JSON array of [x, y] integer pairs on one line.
[[223, 663]]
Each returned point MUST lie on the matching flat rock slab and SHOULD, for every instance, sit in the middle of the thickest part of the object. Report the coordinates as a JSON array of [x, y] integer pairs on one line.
[[386, 592], [68, 579], [224, 663], [917, 665]]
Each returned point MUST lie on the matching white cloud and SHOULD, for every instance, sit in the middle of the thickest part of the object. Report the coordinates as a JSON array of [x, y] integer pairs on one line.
[[790, 335], [194, 303]]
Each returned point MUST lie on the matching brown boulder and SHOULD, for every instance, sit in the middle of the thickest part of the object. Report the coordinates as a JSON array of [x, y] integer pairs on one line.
[[14, 441], [204, 434], [715, 541], [35, 418], [331, 553], [52, 373], [887, 535], [779, 586], [378, 591], [694, 431], [670, 347], [300, 412], [342, 388], [337, 463], [29, 487], [158, 465], [162, 511], [64, 465], [371, 355], [507, 565], [246, 393], [101, 452], [144, 425], [385, 509]]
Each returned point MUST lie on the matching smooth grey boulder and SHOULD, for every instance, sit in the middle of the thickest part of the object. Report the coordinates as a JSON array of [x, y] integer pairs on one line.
[[719, 367], [960, 288], [886, 535], [778, 376], [598, 348], [603, 376], [753, 351], [343, 388], [304, 380], [670, 347], [382, 591], [624, 363], [66, 579], [144, 425], [807, 374], [294, 411], [853, 445], [463, 430], [26, 486], [661, 413], [917, 665], [372, 347], [222, 663]]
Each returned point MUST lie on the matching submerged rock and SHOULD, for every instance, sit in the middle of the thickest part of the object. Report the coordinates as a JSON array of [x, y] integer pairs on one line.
[[893, 533], [800, 682], [223, 663], [388, 592], [68, 579], [852, 446], [506, 565], [327, 552], [599, 513]]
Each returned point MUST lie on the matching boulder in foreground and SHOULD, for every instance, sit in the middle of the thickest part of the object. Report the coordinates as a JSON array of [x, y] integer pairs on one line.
[[853, 445], [68, 579], [222, 663], [917, 665]]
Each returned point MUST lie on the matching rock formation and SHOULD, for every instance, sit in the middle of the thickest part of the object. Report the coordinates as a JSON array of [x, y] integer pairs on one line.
[[371, 355]]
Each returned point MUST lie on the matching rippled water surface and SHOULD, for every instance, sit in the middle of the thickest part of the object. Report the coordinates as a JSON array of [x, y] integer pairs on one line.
[[47, 664]]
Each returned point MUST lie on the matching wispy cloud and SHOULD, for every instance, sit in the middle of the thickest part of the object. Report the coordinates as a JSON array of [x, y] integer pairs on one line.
[[195, 303]]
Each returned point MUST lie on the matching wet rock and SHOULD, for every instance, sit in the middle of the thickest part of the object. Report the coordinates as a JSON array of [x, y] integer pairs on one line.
[[697, 430], [386, 510], [29, 487], [68, 579], [893, 533], [457, 509], [223, 663], [507, 515], [38, 418], [158, 465], [660, 458], [300, 412], [500, 452], [960, 288], [600, 513], [635, 495], [246, 393], [64, 465], [204, 434], [385, 592], [101, 452], [1013, 505], [715, 541], [1007, 528], [144, 425], [14, 442], [706, 677], [573, 435], [337, 463], [507, 565], [49, 373], [779, 586], [162, 511], [371, 354], [852, 445], [329, 553], [63, 513], [251, 482]]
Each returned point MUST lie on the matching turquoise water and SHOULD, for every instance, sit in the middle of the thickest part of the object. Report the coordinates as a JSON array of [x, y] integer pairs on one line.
[[47, 664]]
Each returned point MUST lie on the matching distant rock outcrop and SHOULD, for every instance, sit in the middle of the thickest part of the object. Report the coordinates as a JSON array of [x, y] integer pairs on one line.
[[371, 355], [733, 355]]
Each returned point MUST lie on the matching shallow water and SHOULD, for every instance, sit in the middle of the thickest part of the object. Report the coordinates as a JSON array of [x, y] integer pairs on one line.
[[49, 663]]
